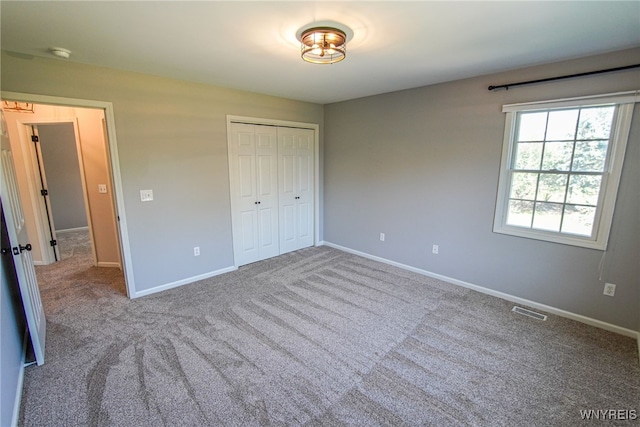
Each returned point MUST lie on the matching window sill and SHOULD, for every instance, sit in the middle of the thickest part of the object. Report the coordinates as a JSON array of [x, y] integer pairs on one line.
[[551, 237]]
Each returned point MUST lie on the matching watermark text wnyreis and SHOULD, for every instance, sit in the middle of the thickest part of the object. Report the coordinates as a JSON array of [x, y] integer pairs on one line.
[[609, 414]]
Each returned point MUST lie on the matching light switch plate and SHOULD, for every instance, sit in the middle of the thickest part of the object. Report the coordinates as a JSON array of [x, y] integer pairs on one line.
[[146, 195], [102, 188]]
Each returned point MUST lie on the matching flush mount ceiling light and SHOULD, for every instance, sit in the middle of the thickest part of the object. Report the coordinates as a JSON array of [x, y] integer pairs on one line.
[[60, 52], [323, 45]]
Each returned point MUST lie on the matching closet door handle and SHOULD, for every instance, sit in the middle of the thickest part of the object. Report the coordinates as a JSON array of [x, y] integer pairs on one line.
[[25, 248]]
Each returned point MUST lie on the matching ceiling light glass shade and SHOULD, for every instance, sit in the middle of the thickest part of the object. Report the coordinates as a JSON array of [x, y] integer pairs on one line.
[[323, 45]]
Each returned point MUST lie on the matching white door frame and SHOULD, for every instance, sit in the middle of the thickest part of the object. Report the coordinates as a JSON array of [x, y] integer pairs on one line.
[[121, 219], [316, 154]]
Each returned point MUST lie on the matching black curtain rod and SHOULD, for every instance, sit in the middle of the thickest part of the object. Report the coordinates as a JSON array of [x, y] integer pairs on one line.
[[570, 76]]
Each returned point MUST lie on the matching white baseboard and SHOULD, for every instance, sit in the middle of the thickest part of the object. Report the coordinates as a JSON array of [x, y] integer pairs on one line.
[[183, 282], [549, 309], [18, 399], [109, 264], [69, 230], [39, 263]]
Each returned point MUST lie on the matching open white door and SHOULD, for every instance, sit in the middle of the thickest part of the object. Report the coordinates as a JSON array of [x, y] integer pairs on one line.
[[20, 248], [44, 191]]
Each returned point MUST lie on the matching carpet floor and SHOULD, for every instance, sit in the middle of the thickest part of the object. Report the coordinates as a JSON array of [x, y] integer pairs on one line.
[[313, 337], [73, 244]]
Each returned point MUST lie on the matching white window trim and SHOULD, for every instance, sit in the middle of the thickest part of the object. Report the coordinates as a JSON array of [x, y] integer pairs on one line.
[[611, 177]]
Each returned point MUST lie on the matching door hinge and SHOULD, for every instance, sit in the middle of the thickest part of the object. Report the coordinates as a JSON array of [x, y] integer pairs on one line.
[[53, 242], [44, 192], [34, 138]]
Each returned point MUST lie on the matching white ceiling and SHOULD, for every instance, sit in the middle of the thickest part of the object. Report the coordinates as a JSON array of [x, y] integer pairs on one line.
[[252, 45]]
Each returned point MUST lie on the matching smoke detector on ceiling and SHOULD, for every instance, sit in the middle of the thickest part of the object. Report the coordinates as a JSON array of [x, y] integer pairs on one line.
[[60, 52]]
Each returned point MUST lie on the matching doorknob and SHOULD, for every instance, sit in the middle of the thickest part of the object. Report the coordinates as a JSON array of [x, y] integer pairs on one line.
[[25, 248], [6, 251]]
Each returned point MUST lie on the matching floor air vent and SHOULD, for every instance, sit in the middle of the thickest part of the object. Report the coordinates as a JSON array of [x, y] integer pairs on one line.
[[529, 313]]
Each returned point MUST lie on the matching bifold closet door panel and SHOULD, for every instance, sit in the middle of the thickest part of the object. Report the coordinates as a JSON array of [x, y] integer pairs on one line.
[[254, 199], [295, 180], [242, 166], [267, 189]]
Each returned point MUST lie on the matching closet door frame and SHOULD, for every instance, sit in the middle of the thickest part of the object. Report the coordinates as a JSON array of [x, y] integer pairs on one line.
[[316, 162]]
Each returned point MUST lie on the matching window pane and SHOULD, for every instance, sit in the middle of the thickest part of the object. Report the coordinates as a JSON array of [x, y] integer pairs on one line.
[[595, 123], [560, 167], [520, 213], [562, 125], [532, 126], [552, 187], [523, 185], [578, 220], [528, 155], [590, 156], [584, 189], [557, 156], [547, 216]]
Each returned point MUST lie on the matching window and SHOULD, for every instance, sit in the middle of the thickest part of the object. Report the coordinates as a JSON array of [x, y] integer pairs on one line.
[[561, 166]]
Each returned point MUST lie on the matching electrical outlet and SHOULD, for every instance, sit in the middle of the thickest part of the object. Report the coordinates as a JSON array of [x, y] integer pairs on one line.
[[435, 249], [196, 251], [382, 237], [609, 289]]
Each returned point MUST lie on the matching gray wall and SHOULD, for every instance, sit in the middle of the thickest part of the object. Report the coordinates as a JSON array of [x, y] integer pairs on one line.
[[11, 334], [58, 146], [422, 166], [172, 139], [424, 161]]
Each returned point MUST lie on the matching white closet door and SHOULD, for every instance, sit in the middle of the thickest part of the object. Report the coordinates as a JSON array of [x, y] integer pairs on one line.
[[295, 176], [242, 165], [267, 190], [254, 198]]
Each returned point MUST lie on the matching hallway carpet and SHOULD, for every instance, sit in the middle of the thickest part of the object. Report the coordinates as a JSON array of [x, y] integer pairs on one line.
[[74, 243], [315, 337]]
